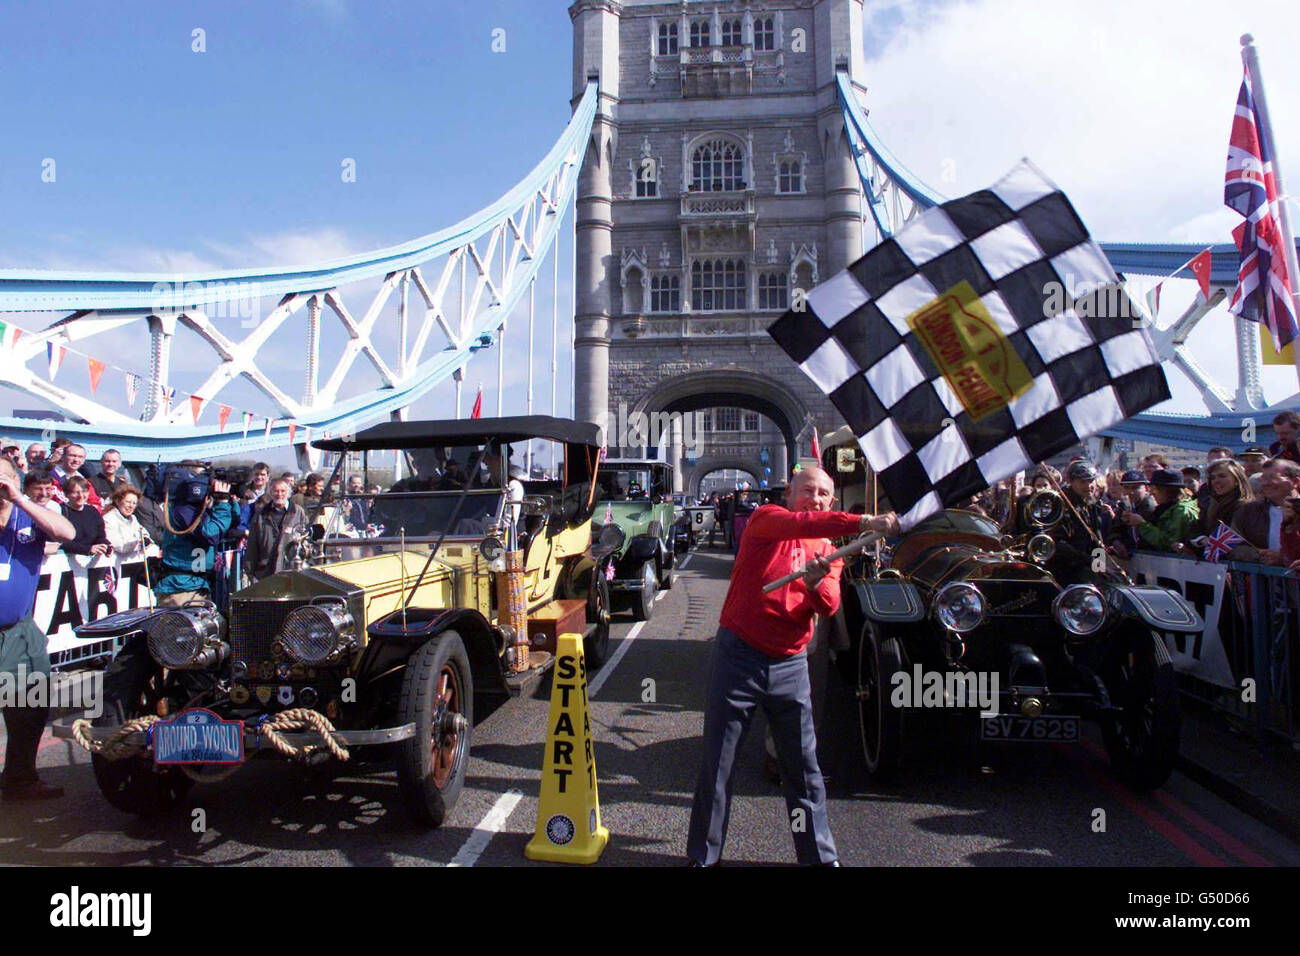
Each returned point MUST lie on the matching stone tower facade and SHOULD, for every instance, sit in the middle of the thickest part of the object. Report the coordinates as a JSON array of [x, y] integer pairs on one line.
[[717, 181]]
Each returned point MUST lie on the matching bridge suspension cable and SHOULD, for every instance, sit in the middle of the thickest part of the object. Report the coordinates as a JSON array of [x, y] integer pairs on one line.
[[497, 253]]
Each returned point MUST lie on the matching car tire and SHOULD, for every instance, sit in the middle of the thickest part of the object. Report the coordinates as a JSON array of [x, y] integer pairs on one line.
[[669, 575], [438, 697], [1142, 741], [133, 784], [880, 724], [595, 646], [643, 599]]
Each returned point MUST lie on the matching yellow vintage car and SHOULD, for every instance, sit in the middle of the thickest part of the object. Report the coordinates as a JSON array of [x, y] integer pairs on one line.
[[403, 617]]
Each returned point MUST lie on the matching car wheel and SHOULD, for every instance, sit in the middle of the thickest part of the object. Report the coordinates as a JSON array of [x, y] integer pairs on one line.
[[438, 697], [595, 647], [880, 723], [669, 576], [643, 599], [134, 784], [1142, 739]]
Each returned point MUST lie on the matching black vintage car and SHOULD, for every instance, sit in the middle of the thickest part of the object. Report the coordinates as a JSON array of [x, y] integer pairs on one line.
[[965, 612]]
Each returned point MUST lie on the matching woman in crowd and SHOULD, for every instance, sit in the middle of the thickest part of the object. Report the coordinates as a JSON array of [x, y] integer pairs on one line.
[[123, 528], [1229, 488], [87, 521], [1167, 527]]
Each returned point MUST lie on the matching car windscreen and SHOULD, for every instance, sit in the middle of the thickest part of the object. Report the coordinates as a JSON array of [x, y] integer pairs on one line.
[[430, 513]]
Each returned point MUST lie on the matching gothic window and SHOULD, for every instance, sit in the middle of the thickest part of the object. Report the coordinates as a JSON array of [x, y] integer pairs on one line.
[[790, 176], [706, 420], [717, 166], [751, 421], [647, 179], [668, 39], [633, 292], [726, 419], [731, 33], [699, 33], [764, 34], [772, 292], [717, 284], [665, 293]]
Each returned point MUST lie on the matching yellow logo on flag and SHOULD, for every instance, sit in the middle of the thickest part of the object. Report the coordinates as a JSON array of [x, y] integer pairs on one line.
[[568, 815], [975, 358], [1270, 355]]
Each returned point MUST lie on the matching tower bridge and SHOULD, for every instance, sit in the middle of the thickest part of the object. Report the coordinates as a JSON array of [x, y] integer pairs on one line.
[[718, 157]]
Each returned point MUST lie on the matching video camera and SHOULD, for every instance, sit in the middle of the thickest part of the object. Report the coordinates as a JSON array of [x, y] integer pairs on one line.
[[189, 483]]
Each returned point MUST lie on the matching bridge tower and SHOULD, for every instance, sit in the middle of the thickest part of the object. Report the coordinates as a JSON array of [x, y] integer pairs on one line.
[[717, 181]]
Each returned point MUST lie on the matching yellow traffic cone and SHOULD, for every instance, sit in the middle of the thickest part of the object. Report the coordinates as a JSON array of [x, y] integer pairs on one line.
[[568, 815]]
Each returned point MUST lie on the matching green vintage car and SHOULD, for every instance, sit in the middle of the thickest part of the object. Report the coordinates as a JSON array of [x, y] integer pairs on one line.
[[636, 495]]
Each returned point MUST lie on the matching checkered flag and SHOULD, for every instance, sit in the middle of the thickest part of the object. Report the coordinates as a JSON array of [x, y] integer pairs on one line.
[[987, 335]]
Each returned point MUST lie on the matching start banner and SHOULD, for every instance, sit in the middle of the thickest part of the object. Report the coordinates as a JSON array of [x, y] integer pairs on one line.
[[1202, 583], [74, 589]]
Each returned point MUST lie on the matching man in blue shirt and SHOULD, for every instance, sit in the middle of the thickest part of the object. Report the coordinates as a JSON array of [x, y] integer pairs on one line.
[[25, 527]]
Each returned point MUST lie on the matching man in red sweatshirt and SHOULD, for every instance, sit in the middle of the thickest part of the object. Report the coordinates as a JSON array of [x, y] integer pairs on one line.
[[759, 659]]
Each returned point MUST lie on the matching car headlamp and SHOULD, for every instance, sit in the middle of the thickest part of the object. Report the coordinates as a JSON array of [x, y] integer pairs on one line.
[[611, 538], [319, 633], [1080, 609], [959, 606], [188, 638], [1040, 548], [1045, 509]]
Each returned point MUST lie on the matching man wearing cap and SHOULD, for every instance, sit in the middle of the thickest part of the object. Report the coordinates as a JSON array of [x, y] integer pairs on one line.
[[1123, 537], [1252, 461], [1168, 525], [14, 452], [1079, 534]]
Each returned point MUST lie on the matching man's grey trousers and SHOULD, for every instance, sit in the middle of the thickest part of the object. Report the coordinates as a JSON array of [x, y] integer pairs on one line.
[[743, 679]]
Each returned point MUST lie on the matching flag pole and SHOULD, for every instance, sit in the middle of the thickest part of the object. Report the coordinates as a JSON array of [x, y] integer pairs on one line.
[[1250, 59]]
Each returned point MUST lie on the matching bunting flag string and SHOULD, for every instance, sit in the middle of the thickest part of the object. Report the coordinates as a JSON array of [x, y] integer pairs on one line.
[[56, 354], [269, 423], [248, 420], [196, 406], [292, 428], [1200, 266], [132, 388], [167, 393], [223, 413]]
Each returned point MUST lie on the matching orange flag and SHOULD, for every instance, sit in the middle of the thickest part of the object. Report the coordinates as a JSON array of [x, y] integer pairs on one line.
[[292, 428], [96, 368], [196, 406], [223, 413]]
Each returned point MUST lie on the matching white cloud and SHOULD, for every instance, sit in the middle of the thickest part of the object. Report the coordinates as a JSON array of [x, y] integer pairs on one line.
[[1127, 106]]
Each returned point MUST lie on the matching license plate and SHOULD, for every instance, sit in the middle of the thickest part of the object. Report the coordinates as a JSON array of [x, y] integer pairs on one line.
[[198, 737], [1030, 729]]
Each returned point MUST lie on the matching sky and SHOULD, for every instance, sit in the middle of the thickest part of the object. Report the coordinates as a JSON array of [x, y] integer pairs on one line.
[[166, 158]]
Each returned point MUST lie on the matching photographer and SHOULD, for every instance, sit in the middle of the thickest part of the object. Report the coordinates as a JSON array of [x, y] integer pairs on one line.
[[25, 527], [198, 513]]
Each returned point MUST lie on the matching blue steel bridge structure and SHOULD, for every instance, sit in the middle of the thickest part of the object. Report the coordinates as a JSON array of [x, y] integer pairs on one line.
[[449, 294]]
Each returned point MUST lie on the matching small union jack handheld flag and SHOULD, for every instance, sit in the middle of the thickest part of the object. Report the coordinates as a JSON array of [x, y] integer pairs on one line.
[[1220, 542]]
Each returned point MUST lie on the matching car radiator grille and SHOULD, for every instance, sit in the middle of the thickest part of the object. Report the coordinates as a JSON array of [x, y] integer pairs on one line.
[[254, 627]]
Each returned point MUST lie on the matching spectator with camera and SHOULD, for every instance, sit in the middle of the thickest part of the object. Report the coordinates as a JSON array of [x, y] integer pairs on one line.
[[90, 538], [25, 528], [199, 513], [1167, 527], [1261, 521], [271, 530]]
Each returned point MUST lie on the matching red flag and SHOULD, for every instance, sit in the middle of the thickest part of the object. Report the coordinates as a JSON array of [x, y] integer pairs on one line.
[[816, 446], [1200, 267], [478, 404], [196, 406], [96, 368], [223, 413], [292, 428]]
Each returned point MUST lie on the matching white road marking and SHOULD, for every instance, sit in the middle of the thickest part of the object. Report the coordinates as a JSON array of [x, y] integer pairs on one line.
[[487, 828], [495, 819]]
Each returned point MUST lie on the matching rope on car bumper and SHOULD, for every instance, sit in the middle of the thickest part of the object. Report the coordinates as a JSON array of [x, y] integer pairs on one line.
[[301, 718]]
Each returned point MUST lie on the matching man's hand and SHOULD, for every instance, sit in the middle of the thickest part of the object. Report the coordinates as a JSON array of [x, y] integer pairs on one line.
[[220, 487], [815, 570], [1131, 518], [9, 487], [1270, 557], [99, 549], [1119, 550], [886, 524]]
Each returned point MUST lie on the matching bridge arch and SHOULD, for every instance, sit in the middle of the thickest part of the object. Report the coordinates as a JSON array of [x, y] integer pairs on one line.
[[695, 474]]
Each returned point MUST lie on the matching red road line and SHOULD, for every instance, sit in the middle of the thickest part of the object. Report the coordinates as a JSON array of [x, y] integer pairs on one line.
[[1206, 827], [1166, 828]]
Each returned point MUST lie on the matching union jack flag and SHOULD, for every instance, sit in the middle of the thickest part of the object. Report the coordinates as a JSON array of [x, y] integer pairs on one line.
[[1222, 540], [1264, 287]]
